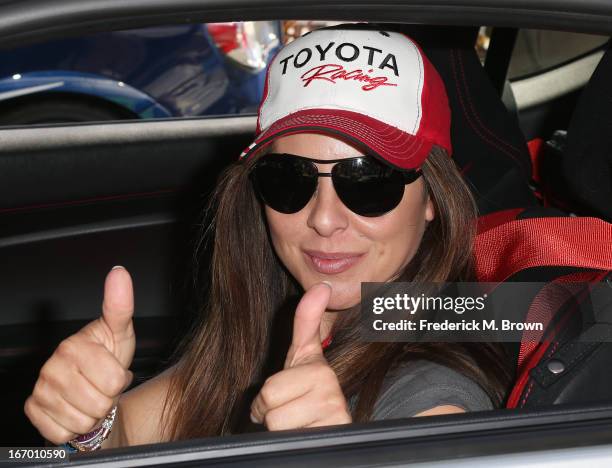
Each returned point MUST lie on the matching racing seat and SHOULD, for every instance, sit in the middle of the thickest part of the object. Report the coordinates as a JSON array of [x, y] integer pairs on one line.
[[576, 165], [588, 156], [488, 144]]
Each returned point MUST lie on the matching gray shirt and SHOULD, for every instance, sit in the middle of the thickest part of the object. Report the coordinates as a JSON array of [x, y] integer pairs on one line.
[[417, 386]]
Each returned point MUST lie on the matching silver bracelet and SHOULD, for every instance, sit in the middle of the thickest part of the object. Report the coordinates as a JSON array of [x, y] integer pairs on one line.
[[93, 440]]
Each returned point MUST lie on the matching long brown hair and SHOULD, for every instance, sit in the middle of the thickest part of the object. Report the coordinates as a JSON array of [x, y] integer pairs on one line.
[[233, 346]]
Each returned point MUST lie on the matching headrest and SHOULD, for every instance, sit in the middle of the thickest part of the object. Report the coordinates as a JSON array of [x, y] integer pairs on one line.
[[488, 144], [587, 162]]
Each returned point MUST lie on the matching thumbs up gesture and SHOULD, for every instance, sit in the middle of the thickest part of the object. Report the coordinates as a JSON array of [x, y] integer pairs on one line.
[[306, 393], [81, 382]]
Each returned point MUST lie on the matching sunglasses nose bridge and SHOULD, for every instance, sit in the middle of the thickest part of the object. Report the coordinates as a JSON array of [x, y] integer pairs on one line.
[[328, 213]]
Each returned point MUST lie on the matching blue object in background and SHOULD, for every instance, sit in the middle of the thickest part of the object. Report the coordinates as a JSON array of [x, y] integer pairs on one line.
[[170, 71]]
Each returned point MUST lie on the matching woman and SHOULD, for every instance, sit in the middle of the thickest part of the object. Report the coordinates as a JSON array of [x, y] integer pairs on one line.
[[348, 181]]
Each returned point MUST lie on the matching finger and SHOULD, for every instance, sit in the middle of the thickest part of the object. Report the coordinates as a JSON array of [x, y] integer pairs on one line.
[[260, 407], [118, 305], [306, 341], [86, 398], [258, 410], [98, 365], [107, 374], [46, 425], [310, 410], [65, 414], [294, 414], [292, 383]]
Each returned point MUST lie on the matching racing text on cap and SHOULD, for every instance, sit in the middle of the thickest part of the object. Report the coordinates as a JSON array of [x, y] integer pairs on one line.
[[346, 52]]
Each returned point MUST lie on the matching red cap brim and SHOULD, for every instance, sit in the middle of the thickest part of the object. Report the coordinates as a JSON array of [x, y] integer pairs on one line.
[[400, 149]]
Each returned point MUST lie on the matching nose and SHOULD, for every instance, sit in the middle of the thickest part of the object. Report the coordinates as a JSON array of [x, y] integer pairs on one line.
[[327, 212]]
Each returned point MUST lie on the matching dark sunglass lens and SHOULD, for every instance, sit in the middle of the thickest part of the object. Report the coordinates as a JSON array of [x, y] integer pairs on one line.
[[284, 183], [368, 187]]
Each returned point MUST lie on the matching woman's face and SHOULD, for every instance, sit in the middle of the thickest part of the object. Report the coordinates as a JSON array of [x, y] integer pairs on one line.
[[326, 241]]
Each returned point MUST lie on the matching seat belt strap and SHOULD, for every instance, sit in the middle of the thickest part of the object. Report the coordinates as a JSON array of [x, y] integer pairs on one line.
[[513, 246]]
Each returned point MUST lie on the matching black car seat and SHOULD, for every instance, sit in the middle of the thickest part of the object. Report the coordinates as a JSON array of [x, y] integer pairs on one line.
[[588, 155], [488, 144], [576, 165]]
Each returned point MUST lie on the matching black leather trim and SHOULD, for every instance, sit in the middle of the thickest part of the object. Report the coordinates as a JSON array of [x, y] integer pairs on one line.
[[570, 355], [382, 443]]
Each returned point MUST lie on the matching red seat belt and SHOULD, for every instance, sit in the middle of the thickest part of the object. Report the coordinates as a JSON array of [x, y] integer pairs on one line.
[[513, 246]]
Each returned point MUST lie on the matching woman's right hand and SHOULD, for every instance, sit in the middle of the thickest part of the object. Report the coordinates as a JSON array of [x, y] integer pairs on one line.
[[81, 382]]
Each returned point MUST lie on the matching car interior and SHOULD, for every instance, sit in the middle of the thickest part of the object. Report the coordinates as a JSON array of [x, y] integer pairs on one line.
[[77, 199]]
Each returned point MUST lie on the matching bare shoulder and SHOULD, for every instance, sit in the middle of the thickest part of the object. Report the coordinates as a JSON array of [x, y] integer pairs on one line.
[[141, 410]]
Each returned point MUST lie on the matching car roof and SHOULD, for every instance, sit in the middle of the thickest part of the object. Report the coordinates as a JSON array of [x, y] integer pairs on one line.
[[35, 20]]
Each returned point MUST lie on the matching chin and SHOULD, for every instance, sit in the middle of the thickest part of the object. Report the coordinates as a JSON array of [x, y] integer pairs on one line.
[[344, 298], [346, 292]]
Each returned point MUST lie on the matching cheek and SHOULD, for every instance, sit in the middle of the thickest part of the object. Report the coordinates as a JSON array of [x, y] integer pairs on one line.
[[398, 234], [285, 232]]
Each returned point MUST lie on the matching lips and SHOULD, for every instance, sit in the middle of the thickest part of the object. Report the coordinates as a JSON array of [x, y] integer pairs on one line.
[[332, 263]]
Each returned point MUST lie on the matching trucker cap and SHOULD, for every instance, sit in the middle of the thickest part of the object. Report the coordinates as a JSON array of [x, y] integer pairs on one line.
[[372, 87]]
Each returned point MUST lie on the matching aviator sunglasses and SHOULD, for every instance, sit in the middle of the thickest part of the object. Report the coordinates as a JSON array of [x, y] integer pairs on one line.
[[366, 186]]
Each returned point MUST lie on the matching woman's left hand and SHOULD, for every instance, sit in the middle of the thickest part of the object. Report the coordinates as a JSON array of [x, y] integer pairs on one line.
[[306, 393]]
